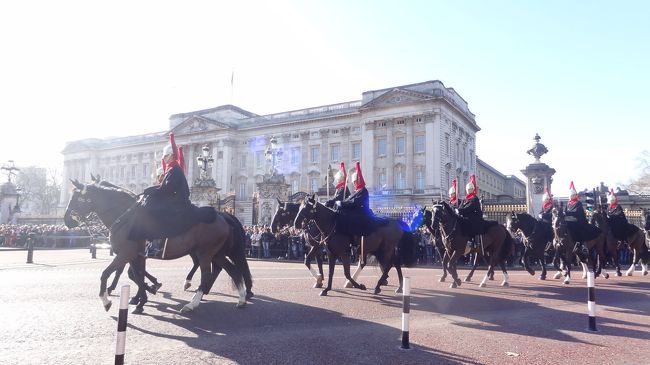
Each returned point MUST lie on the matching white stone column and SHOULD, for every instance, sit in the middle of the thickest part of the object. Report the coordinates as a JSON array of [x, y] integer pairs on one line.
[[437, 154], [368, 154], [390, 155], [190, 162], [410, 183], [227, 166], [430, 156]]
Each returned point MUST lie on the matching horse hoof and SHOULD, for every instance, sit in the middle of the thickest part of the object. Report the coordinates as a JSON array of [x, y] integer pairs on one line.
[[138, 310], [318, 285], [482, 285], [109, 291], [377, 291], [187, 286], [505, 284], [557, 275], [398, 290], [441, 280], [531, 272], [186, 309], [491, 278], [468, 279], [362, 287], [618, 273], [542, 277], [606, 276], [566, 282], [157, 286], [458, 282], [323, 293], [347, 285], [240, 305], [645, 273], [629, 273], [453, 285], [134, 301], [107, 306], [249, 294], [384, 283]]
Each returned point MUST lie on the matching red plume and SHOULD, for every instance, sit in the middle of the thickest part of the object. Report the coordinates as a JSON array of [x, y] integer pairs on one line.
[[181, 160], [360, 183], [172, 141]]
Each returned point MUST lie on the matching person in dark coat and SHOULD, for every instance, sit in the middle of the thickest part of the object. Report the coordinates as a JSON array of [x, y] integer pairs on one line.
[[576, 219], [342, 191], [621, 229], [168, 202], [453, 198], [355, 217], [546, 214], [470, 211]]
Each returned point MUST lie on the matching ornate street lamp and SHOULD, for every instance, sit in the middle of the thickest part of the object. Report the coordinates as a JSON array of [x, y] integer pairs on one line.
[[273, 154], [205, 162]]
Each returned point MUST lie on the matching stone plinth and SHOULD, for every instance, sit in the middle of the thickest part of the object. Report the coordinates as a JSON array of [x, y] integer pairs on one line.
[[538, 177], [204, 193], [269, 191]]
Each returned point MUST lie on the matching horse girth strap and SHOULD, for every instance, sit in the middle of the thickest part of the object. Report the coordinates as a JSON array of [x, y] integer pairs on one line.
[[119, 219]]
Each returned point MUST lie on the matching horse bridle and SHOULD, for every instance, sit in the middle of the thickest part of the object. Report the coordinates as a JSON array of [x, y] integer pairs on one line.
[[446, 237], [312, 212]]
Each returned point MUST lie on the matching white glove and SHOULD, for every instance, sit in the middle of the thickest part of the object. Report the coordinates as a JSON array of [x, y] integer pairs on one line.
[[456, 210], [337, 203]]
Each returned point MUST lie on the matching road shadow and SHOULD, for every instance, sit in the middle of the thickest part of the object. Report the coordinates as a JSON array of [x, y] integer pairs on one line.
[[272, 331]]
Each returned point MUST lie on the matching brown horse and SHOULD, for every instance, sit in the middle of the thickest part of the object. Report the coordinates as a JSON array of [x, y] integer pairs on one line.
[[391, 244], [284, 215], [567, 248], [497, 243], [636, 242], [538, 238], [209, 241]]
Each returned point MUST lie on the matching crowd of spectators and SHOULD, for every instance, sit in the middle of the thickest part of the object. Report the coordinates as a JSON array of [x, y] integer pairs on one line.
[[49, 235]]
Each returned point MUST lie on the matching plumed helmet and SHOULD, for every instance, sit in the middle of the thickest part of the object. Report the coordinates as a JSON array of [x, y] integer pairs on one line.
[[573, 194], [452, 189], [170, 148], [357, 177], [547, 195], [471, 185], [611, 198], [160, 171], [339, 177]]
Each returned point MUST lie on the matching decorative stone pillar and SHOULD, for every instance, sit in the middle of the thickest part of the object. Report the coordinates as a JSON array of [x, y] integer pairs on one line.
[[271, 189], [368, 154], [538, 177], [390, 155], [410, 142]]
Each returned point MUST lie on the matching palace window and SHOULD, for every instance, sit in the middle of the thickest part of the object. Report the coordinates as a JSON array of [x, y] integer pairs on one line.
[[419, 178], [381, 146], [420, 144], [242, 189], [400, 145], [242, 161], [400, 178], [335, 152], [313, 183], [259, 159], [295, 156], [381, 179], [356, 151], [314, 154]]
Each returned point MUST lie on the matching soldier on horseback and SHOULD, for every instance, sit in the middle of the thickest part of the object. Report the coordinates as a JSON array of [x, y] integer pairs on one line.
[[576, 219], [616, 219], [546, 214], [355, 217], [342, 191], [453, 199], [471, 214]]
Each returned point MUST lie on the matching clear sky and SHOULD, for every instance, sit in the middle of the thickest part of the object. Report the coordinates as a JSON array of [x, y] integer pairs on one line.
[[575, 72]]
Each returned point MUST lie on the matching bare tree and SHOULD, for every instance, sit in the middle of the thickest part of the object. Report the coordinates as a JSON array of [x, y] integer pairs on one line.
[[40, 190], [641, 184]]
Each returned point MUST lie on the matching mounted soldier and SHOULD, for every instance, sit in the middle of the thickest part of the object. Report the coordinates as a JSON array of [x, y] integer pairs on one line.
[[471, 213], [168, 203], [546, 214], [453, 199], [576, 219], [342, 191], [355, 217], [621, 229]]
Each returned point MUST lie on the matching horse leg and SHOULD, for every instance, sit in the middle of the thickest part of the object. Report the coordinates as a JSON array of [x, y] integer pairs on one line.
[[117, 262], [116, 278], [313, 251], [474, 266], [630, 271], [190, 275], [206, 275], [136, 273], [357, 272], [234, 272], [445, 263], [345, 259], [567, 266], [452, 268], [384, 275], [504, 270], [331, 261], [154, 281], [526, 259], [542, 261], [400, 277], [557, 263], [616, 260]]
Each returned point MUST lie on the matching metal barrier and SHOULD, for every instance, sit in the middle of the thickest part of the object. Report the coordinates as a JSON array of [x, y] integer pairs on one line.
[[498, 212]]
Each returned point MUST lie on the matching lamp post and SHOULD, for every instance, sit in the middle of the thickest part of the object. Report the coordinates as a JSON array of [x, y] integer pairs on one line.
[[205, 162], [273, 154]]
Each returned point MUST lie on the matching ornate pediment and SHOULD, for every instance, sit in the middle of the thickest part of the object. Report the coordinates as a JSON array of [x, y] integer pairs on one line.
[[396, 96], [196, 123]]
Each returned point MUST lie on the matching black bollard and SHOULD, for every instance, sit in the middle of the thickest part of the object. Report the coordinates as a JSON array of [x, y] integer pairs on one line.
[[93, 251], [406, 310], [30, 251], [110, 250]]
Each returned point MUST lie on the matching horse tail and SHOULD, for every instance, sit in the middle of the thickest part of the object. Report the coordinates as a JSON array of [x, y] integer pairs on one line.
[[644, 252], [407, 248], [238, 250], [507, 247]]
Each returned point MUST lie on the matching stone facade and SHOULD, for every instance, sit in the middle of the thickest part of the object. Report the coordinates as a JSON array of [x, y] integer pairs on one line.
[[496, 187], [411, 140]]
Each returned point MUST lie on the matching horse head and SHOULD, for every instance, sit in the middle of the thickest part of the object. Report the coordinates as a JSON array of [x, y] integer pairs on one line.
[[512, 222], [80, 205], [285, 214], [306, 211]]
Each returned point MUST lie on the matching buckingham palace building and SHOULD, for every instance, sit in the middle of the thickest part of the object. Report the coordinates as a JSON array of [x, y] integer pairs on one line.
[[411, 141]]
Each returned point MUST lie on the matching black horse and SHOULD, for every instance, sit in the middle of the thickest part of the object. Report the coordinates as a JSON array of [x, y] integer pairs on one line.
[[538, 239], [497, 243], [284, 215], [210, 241], [424, 217], [391, 244]]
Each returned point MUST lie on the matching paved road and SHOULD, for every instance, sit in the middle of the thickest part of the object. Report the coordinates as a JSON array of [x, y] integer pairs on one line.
[[51, 315]]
